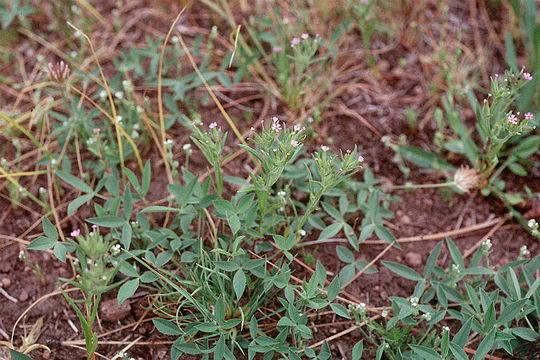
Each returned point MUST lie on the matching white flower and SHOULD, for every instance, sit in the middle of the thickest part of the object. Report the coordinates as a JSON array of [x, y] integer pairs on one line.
[[212, 125], [414, 301], [445, 328], [282, 193], [294, 143], [466, 178], [186, 147], [302, 232], [119, 94], [324, 148], [532, 224], [384, 313]]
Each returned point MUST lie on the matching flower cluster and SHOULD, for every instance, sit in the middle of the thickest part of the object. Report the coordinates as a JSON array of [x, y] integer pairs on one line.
[[58, 71], [533, 225]]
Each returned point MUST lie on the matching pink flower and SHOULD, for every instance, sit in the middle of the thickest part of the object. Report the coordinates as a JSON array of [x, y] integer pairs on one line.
[[360, 158], [76, 232], [529, 116], [277, 49], [527, 76], [295, 41], [59, 71], [275, 125], [324, 148], [212, 125], [94, 226], [512, 119], [294, 143], [364, 1], [305, 36], [97, 131]]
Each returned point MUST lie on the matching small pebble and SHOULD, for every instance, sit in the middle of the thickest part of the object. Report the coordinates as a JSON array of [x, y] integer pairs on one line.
[[413, 259], [23, 296], [110, 311]]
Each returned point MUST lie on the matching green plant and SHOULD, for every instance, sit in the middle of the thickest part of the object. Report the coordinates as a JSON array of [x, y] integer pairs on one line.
[[466, 298], [221, 265], [12, 10], [500, 142], [96, 264]]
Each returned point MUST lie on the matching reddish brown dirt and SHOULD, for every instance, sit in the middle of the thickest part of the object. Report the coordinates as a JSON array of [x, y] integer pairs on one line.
[[419, 212]]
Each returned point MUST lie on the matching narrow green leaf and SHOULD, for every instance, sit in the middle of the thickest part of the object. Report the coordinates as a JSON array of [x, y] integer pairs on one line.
[[127, 290], [166, 327], [425, 352], [485, 346], [41, 243], [330, 230], [510, 312], [78, 202], [432, 259], [333, 289], [340, 310], [15, 355], [107, 221], [357, 350], [458, 352], [239, 283], [455, 253], [384, 234], [49, 229], [74, 181], [60, 251], [403, 270]]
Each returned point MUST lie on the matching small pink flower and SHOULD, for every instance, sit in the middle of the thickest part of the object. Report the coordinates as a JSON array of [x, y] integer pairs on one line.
[[364, 1], [212, 125], [59, 71], [529, 116], [512, 119], [277, 49], [295, 41], [94, 226], [527, 76], [324, 148], [76, 232], [360, 159], [97, 131], [348, 151], [297, 127], [294, 143], [305, 36], [275, 124]]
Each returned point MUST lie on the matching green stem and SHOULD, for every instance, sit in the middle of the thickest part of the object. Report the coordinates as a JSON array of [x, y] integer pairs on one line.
[[422, 186]]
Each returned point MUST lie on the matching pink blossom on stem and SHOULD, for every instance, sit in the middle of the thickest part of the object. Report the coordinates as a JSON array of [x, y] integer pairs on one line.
[[324, 148], [512, 119], [305, 36], [294, 143], [212, 125], [527, 76], [277, 49], [529, 116], [76, 232], [295, 41], [360, 159]]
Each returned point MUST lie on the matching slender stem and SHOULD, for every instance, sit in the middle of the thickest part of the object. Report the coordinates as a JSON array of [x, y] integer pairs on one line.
[[421, 186]]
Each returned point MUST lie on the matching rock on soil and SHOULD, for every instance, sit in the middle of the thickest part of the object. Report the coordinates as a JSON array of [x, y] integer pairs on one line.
[[413, 259], [111, 311]]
